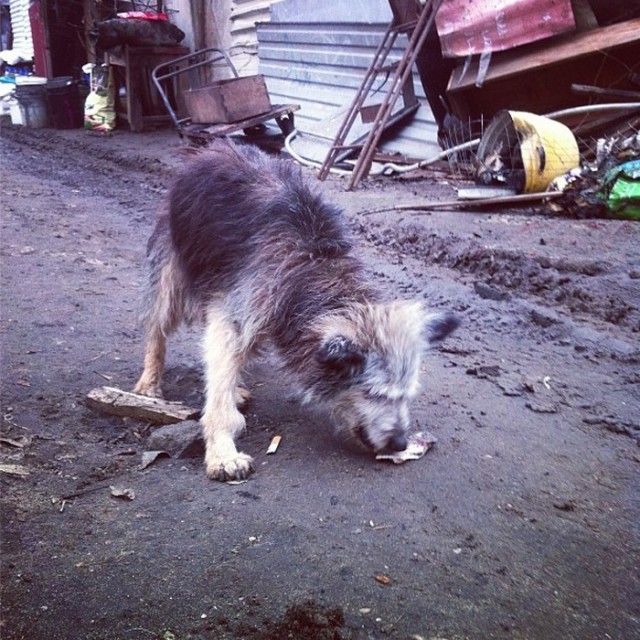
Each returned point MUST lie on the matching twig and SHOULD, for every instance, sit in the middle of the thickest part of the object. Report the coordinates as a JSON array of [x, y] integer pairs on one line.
[[80, 493], [100, 355]]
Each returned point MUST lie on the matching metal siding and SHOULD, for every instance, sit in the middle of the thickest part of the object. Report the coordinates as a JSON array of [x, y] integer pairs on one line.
[[369, 11], [245, 14], [21, 26], [320, 67]]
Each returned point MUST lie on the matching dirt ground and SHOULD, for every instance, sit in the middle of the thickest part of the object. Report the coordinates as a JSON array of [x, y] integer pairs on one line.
[[522, 523]]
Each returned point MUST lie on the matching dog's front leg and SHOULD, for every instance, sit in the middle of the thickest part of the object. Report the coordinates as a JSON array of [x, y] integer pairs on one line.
[[221, 420]]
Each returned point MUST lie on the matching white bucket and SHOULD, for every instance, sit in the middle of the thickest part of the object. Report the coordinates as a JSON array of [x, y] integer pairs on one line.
[[33, 103], [15, 112]]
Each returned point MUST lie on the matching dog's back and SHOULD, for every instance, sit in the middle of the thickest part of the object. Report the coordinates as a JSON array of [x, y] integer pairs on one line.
[[247, 231], [234, 205]]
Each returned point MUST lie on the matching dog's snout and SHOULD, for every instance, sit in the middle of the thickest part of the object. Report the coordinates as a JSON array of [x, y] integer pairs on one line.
[[398, 442]]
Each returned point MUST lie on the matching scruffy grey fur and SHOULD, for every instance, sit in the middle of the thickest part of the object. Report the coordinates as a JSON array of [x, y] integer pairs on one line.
[[249, 250]]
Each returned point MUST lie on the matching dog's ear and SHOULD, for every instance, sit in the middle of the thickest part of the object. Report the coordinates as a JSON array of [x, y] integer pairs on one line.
[[341, 356], [438, 326]]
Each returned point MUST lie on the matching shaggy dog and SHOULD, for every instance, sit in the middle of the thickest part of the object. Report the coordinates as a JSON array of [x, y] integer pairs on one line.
[[249, 250]]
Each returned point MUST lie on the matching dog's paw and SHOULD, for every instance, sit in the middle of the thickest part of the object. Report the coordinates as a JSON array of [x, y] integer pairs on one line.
[[149, 390], [240, 467], [243, 395]]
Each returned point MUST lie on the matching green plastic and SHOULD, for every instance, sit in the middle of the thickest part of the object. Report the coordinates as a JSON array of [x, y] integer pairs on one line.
[[622, 190]]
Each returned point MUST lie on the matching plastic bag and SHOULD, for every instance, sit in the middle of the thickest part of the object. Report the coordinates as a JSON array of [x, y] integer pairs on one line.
[[99, 106], [622, 190]]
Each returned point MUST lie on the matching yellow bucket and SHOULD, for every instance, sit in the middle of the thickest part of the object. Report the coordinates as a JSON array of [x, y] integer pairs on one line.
[[535, 149]]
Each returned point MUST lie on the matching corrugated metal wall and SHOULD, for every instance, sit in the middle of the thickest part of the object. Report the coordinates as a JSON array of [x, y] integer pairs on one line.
[[321, 65], [21, 26], [245, 14]]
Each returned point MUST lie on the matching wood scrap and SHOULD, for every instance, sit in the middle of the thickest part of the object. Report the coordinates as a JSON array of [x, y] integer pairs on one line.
[[14, 469], [132, 405]]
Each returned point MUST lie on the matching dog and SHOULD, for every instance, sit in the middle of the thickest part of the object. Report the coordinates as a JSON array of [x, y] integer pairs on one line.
[[246, 247]]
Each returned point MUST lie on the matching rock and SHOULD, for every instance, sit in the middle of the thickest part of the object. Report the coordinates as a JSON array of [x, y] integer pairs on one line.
[[543, 319], [490, 292], [489, 371], [542, 406], [180, 440]]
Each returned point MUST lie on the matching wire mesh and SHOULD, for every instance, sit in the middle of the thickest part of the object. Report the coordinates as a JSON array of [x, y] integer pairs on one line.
[[457, 133]]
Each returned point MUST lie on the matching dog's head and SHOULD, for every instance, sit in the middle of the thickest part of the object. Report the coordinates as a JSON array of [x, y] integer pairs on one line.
[[369, 366]]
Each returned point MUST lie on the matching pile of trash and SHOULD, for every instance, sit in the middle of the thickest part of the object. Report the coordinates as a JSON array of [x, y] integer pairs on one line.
[[608, 187]]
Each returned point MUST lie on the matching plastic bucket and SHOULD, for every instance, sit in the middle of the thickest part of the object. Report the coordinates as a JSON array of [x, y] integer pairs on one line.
[[548, 148], [16, 112], [63, 100], [32, 97], [538, 149]]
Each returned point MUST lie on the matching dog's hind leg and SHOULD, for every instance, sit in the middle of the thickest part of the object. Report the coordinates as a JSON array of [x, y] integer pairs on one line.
[[221, 420], [165, 310], [155, 351]]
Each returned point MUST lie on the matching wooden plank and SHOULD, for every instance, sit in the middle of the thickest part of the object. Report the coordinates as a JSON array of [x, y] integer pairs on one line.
[[124, 403], [560, 50], [206, 131]]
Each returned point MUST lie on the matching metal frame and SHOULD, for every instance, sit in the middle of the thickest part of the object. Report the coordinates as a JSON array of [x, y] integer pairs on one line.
[[184, 64], [202, 133]]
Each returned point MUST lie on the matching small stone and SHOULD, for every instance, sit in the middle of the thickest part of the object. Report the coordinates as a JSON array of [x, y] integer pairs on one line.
[[545, 319], [180, 440], [490, 292], [542, 407]]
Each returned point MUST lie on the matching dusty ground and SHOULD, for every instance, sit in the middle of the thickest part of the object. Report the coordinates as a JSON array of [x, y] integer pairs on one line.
[[522, 523]]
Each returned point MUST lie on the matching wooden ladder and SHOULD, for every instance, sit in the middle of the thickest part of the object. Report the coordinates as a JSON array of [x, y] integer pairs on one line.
[[418, 29]]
